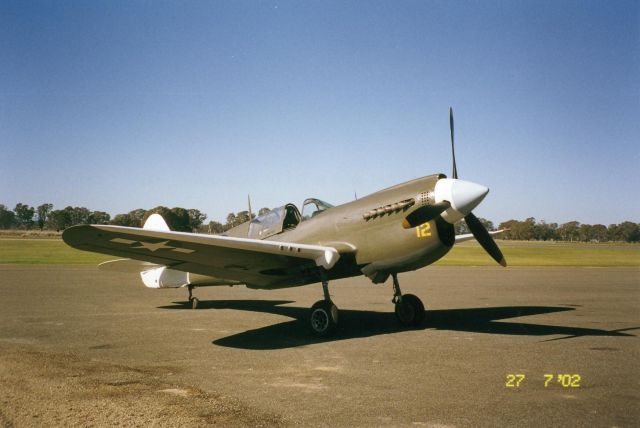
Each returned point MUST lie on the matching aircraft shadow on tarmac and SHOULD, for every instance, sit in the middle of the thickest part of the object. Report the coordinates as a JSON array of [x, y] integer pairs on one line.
[[356, 324]]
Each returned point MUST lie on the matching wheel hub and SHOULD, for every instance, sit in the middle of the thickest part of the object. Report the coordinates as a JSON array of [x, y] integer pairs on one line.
[[406, 312], [319, 320]]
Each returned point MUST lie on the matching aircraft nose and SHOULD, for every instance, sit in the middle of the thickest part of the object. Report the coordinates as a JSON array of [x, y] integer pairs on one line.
[[463, 196], [467, 195]]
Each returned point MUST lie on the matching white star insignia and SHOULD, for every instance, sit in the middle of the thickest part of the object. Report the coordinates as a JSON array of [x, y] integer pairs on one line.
[[154, 247]]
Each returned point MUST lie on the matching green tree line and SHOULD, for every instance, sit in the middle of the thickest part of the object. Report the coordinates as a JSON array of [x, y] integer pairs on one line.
[[44, 217], [530, 230]]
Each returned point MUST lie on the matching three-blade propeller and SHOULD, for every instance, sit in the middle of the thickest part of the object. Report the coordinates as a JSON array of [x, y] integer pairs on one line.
[[477, 229], [485, 240], [454, 173], [427, 213]]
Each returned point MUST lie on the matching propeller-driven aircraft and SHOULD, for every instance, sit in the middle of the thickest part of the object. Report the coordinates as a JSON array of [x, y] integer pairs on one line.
[[398, 229]]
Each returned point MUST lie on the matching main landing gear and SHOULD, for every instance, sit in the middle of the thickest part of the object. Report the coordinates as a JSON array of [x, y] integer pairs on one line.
[[409, 308], [194, 300], [324, 314]]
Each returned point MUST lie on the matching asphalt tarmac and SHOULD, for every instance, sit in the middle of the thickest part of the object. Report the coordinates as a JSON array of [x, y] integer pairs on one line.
[[83, 347]]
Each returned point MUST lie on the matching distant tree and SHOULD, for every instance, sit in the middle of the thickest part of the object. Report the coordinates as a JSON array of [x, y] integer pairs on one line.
[[242, 217], [7, 218], [599, 233], [231, 220], [181, 220], [79, 215], [634, 235], [43, 212], [125, 220], [625, 231], [569, 231], [510, 225], [263, 211], [215, 227], [196, 218], [488, 224], [59, 220], [545, 231], [523, 230], [614, 233], [585, 232], [137, 216], [99, 217], [24, 215], [528, 229]]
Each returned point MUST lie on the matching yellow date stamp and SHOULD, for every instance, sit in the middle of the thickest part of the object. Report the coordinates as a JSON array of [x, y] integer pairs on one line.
[[565, 380], [514, 380]]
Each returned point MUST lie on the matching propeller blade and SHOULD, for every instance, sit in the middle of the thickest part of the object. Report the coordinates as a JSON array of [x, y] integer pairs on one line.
[[485, 240], [424, 214], [453, 151]]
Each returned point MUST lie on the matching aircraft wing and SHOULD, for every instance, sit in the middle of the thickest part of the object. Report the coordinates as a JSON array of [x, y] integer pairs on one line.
[[469, 236], [251, 261]]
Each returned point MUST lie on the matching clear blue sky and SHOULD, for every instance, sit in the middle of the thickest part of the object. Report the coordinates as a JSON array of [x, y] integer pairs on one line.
[[122, 105]]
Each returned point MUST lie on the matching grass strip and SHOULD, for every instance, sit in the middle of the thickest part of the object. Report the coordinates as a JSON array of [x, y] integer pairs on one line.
[[56, 252], [587, 255], [46, 252]]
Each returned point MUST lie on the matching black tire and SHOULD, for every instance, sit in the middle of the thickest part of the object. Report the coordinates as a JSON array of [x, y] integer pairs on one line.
[[323, 318], [194, 303], [410, 312]]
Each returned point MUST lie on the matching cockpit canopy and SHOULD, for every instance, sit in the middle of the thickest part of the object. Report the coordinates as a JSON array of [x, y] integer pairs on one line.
[[283, 218], [274, 222], [312, 207]]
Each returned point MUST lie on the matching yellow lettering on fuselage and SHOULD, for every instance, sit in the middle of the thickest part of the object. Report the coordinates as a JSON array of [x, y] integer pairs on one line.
[[423, 230]]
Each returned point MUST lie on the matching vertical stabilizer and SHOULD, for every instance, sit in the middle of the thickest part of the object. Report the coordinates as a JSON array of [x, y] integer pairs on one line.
[[156, 222]]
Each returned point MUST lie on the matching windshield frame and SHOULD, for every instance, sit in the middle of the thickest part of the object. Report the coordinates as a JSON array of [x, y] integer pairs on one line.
[[320, 207]]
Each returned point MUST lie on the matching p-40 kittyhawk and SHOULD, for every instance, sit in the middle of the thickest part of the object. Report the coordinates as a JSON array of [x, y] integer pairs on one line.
[[398, 229]]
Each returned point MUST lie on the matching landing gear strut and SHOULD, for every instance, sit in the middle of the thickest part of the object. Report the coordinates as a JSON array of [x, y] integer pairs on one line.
[[409, 308], [324, 313], [194, 300]]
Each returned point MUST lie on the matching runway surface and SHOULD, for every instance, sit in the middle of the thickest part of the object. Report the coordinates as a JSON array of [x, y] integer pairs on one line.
[[78, 346]]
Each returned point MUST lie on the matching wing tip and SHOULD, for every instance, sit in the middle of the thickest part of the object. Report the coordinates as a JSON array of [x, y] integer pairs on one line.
[[71, 234]]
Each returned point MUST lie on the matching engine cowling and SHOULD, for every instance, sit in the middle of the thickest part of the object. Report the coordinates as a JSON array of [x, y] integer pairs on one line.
[[163, 277]]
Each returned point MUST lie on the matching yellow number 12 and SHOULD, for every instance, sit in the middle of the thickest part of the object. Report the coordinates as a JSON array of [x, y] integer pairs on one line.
[[423, 230]]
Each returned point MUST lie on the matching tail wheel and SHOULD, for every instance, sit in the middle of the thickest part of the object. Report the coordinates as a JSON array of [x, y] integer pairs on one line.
[[410, 310], [324, 318]]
